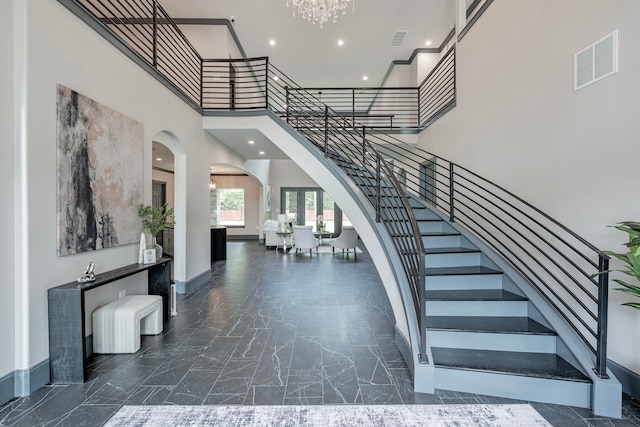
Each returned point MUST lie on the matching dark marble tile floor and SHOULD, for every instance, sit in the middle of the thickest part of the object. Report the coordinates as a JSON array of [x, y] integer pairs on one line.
[[270, 329]]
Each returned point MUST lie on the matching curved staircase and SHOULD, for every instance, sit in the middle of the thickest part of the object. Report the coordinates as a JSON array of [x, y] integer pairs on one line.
[[480, 332]]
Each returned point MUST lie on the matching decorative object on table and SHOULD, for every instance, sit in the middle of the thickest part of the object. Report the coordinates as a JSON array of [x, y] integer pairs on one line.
[[320, 222], [150, 256], [88, 275], [282, 220], [100, 179], [155, 219], [143, 246], [631, 259], [292, 222], [267, 198]]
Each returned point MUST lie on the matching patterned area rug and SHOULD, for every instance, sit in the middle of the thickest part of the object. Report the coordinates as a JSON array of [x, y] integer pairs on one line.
[[330, 416]]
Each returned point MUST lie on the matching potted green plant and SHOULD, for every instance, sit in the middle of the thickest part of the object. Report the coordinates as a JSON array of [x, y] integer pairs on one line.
[[155, 219], [631, 259]]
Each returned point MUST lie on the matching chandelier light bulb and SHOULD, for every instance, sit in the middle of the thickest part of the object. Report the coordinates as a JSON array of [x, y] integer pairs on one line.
[[320, 11]]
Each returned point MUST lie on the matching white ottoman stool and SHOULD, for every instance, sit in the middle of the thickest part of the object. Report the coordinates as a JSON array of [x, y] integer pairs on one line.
[[117, 326]]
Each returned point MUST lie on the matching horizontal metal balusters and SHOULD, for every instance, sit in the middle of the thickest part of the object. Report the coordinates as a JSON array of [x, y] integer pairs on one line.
[[150, 32], [438, 90]]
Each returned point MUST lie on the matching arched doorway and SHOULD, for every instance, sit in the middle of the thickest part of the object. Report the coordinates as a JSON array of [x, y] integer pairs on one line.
[[169, 185], [236, 201]]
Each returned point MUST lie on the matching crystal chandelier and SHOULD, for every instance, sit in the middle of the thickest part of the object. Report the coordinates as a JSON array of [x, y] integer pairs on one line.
[[320, 11]]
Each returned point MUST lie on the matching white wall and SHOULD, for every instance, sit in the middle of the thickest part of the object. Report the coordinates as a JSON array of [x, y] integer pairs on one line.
[[211, 41], [63, 50], [424, 63], [7, 182], [519, 123], [400, 76]]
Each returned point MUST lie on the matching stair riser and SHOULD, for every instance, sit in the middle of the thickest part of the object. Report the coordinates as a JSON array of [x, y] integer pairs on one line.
[[462, 282], [450, 241], [415, 203], [477, 308], [424, 214], [453, 260], [569, 393], [493, 341], [434, 226]]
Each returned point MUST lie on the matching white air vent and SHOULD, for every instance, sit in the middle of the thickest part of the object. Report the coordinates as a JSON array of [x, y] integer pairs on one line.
[[398, 38], [596, 61]]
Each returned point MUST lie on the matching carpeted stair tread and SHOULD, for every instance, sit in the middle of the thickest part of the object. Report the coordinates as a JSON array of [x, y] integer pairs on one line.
[[506, 325], [538, 365], [473, 295], [464, 270]]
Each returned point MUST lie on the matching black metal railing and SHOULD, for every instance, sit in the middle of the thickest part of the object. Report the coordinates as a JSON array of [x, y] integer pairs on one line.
[[554, 259], [235, 84], [559, 263], [145, 27], [438, 90], [384, 108], [242, 84]]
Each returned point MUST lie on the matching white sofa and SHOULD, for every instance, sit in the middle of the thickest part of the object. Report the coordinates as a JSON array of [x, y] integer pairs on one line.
[[269, 229], [270, 239]]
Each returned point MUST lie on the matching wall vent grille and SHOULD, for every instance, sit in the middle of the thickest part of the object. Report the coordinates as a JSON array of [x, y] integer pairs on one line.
[[398, 38], [596, 61]]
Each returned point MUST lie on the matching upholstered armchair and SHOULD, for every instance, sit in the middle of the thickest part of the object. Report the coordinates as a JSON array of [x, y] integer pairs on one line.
[[303, 238], [348, 239]]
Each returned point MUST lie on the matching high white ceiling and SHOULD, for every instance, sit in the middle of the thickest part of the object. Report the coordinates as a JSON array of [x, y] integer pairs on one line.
[[310, 55]]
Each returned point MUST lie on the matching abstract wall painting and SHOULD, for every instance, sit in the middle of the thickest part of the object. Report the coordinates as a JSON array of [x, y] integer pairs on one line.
[[100, 181]]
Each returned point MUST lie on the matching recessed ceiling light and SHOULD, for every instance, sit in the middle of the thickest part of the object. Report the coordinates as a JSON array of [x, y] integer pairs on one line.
[[251, 142], [365, 77], [159, 159], [275, 78], [340, 42], [272, 42], [261, 153], [428, 43]]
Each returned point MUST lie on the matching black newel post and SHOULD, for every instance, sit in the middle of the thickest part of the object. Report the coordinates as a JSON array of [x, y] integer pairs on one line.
[[603, 305]]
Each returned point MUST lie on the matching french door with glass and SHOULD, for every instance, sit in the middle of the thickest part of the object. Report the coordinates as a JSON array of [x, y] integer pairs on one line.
[[312, 206]]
